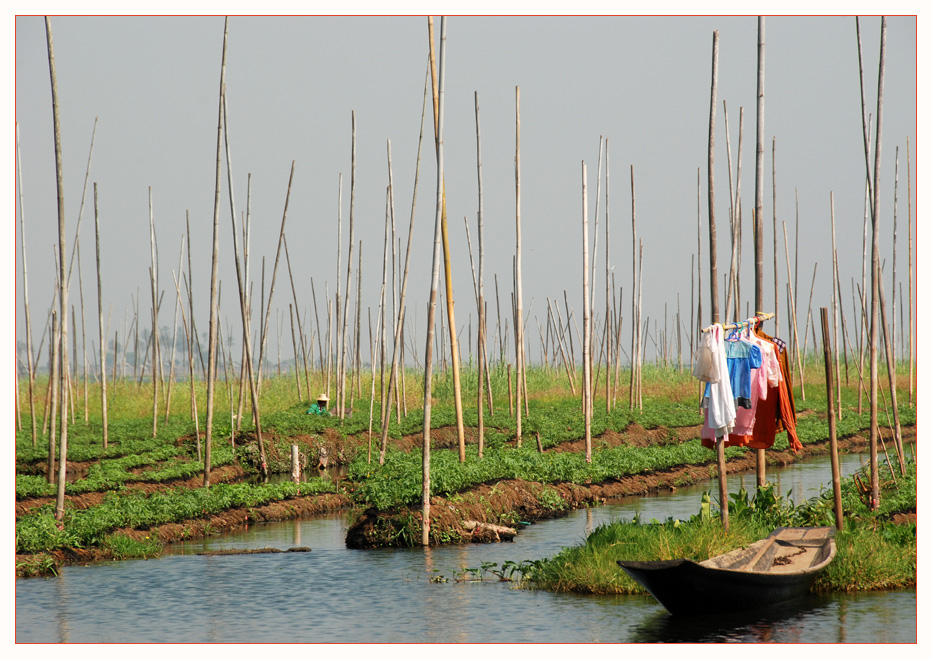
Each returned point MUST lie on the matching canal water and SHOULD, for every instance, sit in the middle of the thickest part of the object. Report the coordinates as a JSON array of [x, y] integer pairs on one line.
[[335, 594]]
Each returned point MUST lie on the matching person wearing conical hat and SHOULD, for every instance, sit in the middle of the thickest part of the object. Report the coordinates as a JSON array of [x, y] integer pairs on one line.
[[320, 407]]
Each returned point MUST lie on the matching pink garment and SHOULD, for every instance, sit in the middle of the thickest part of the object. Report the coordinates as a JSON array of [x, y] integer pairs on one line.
[[768, 375]]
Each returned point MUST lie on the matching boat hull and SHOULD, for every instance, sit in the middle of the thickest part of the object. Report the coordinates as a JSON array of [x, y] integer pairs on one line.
[[686, 587]]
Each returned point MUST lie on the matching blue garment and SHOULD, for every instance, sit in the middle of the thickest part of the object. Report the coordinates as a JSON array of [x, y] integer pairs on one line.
[[741, 357]]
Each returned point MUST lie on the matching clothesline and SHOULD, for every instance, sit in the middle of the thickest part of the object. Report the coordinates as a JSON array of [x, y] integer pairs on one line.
[[749, 321]]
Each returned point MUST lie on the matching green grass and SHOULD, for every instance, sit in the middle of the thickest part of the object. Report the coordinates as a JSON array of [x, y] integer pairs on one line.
[[872, 552]]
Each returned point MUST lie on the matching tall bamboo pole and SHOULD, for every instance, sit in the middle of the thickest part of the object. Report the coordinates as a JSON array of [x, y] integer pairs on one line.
[[875, 263], [263, 339], [480, 295], [519, 318], [63, 282], [385, 405], [835, 301], [909, 198], [431, 309], [587, 321], [731, 302], [635, 320], [758, 214], [776, 277], [171, 372], [447, 270], [896, 181], [29, 358], [341, 376], [713, 265], [713, 249], [608, 299], [153, 280], [214, 265], [397, 360], [792, 296], [301, 332], [243, 296], [100, 326]]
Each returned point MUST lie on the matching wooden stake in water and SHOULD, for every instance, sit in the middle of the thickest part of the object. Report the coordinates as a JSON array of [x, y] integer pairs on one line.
[[836, 472]]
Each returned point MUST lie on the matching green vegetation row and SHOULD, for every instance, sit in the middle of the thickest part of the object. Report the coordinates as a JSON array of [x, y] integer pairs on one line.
[[39, 532], [166, 465]]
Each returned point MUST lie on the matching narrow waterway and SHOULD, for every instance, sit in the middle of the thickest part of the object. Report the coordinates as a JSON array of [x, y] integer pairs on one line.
[[334, 594]]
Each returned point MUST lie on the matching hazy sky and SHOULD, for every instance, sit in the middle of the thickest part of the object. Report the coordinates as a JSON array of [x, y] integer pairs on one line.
[[293, 83]]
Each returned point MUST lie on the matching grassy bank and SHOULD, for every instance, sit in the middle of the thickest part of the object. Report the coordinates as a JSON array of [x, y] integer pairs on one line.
[[875, 550]]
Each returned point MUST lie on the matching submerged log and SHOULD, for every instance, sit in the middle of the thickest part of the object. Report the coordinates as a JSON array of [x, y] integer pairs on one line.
[[494, 532], [263, 550]]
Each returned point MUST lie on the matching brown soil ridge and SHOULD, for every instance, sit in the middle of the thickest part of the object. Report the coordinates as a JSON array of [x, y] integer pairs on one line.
[[513, 502]]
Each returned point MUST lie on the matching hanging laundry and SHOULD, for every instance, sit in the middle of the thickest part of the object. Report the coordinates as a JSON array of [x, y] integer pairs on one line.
[[760, 379]]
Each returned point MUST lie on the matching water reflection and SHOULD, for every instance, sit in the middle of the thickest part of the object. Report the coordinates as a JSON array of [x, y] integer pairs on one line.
[[334, 594]]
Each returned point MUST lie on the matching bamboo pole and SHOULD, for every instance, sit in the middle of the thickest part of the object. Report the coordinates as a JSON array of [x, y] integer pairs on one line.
[[776, 283], [63, 284], [29, 355], [397, 351], [431, 310], [480, 297], [301, 333], [243, 296], [83, 337], [896, 182], [215, 258], [153, 280], [263, 339], [875, 255], [187, 336], [519, 317], [731, 301], [835, 301], [171, 372], [758, 213], [294, 343], [102, 331], [891, 377], [587, 363], [713, 265], [909, 198], [635, 319], [792, 296], [447, 269], [341, 377], [384, 407], [55, 389], [836, 471]]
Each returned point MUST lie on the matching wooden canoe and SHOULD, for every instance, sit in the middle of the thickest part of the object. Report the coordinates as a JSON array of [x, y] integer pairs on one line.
[[779, 568]]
